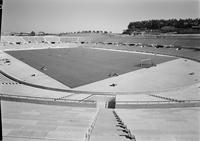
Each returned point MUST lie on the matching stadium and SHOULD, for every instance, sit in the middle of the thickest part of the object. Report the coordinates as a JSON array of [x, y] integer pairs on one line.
[[116, 86], [98, 86]]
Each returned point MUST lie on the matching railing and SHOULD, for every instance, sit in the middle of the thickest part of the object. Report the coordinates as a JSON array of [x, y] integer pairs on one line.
[[73, 100], [25, 97], [31, 99], [91, 127], [192, 101], [166, 98], [123, 127], [156, 102], [144, 102]]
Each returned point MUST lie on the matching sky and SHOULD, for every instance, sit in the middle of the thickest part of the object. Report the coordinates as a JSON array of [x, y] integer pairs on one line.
[[76, 15]]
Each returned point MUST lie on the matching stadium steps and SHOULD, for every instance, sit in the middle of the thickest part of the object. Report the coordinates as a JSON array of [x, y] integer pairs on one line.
[[170, 124], [109, 126], [167, 98], [28, 122]]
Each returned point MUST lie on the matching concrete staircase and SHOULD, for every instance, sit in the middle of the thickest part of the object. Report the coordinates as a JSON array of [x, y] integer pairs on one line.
[[109, 127]]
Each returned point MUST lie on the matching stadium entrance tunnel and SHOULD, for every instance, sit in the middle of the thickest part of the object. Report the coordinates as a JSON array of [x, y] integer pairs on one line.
[[105, 102]]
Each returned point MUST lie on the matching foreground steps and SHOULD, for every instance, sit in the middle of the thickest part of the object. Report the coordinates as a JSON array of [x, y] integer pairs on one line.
[[158, 124], [107, 127], [39, 122]]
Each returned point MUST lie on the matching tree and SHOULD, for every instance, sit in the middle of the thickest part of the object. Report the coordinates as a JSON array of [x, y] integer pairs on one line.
[[172, 25], [32, 33], [126, 31]]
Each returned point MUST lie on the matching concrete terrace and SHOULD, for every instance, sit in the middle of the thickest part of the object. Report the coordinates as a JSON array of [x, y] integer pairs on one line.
[[172, 124], [35, 122]]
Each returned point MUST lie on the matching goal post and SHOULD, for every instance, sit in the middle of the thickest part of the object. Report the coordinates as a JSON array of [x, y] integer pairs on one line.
[[146, 63]]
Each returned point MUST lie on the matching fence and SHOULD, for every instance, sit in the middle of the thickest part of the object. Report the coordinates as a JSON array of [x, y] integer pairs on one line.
[[47, 101]]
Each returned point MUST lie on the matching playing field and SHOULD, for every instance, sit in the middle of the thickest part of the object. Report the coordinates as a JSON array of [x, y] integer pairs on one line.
[[80, 66]]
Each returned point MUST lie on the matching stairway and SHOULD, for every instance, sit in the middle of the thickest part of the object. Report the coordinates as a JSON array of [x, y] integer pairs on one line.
[[109, 127]]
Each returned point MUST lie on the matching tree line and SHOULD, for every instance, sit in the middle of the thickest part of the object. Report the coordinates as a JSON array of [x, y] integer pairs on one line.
[[170, 25]]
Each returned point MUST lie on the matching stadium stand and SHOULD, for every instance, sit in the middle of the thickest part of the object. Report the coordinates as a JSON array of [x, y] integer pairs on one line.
[[29, 39], [52, 39], [34, 39], [162, 124], [137, 99], [69, 39], [167, 41], [26, 121], [188, 94], [39, 39], [46, 118], [12, 40]]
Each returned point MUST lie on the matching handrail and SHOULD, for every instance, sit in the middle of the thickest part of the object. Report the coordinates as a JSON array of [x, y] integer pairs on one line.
[[167, 98], [27, 97], [43, 98], [91, 127], [155, 102], [122, 125], [145, 102]]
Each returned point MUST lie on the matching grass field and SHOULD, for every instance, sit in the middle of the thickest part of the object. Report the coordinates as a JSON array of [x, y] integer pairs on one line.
[[80, 66]]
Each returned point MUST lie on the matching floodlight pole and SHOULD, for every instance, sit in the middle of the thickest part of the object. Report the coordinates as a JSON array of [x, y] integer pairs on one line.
[[1, 132]]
